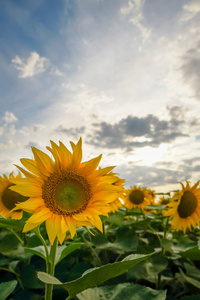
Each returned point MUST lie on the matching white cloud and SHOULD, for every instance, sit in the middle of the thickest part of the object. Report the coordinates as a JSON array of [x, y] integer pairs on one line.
[[38, 127], [56, 72], [190, 10], [31, 66], [134, 11], [9, 117]]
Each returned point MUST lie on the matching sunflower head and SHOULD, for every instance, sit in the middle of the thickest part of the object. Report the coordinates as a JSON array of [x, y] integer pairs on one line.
[[163, 201], [184, 208], [9, 198], [137, 197], [65, 192]]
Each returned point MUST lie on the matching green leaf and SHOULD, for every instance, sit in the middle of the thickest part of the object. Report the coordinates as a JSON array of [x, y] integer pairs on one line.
[[29, 277], [122, 291], [167, 245], [64, 251], [156, 207], [39, 251], [184, 244], [192, 297], [95, 276], [190, 280], [116, 218], [101, 242], [149, 268], [6, 288], [44, 277], [192, 271], [8, 243], [127, 240], [191, 253], [11, 223]]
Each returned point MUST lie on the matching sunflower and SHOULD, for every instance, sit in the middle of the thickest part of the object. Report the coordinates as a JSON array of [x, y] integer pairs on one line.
[[137, 197], [184, 208], [163, 201], [152, 195], [8, 198], [64, 192]]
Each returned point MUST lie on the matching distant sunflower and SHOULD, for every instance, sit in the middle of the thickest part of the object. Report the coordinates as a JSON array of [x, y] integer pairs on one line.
[[163, 201], [184, 208], [137, 197], [152, 194], [8, 198], [64, 192]]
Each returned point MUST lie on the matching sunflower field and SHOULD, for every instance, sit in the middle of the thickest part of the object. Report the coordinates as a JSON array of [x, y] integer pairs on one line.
[[71, 230]]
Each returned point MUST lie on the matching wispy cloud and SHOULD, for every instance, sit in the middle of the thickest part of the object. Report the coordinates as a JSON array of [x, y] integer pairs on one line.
[[190, 69], [191, 9], [9, 117], [31, 66], [134, 12]]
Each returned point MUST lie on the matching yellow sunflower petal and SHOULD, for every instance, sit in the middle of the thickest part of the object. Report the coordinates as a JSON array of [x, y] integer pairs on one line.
[[31, 204], [65, 156], [50, 227], [30, 165], [40, 215], [27, 190], [97, 222], [29, 226], [28, 174], [77, 154], [43, 161], [72, 226], [91, 165]]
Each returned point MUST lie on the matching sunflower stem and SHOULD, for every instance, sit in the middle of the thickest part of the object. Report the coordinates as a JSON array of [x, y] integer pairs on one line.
[[51, 268], [37, 232], [17, 236]]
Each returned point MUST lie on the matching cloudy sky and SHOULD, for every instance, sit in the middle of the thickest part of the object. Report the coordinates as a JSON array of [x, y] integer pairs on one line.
[[122, 74]]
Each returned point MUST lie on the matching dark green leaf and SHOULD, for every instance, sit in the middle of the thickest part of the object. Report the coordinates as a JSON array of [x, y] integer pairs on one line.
[[149, 268], [191, 253], [39, 251], [190, 280], [192, 297], [122, 291], [29, 278], [10, 223], [8, 243], [127, 240], [6, 288], [64, 250], [95, 276]]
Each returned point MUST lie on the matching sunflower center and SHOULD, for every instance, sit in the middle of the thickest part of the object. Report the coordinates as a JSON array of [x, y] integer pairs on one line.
[[66, 193], [136, 197], [10, 198], [188, 204]]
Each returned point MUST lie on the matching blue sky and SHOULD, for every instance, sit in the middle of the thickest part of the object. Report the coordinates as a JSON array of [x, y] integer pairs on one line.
[[123, 74]]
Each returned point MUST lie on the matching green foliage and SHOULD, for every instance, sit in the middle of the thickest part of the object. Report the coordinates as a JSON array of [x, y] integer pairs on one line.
[[122, 291], [95, 276], [6, 288], [119, 261]]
